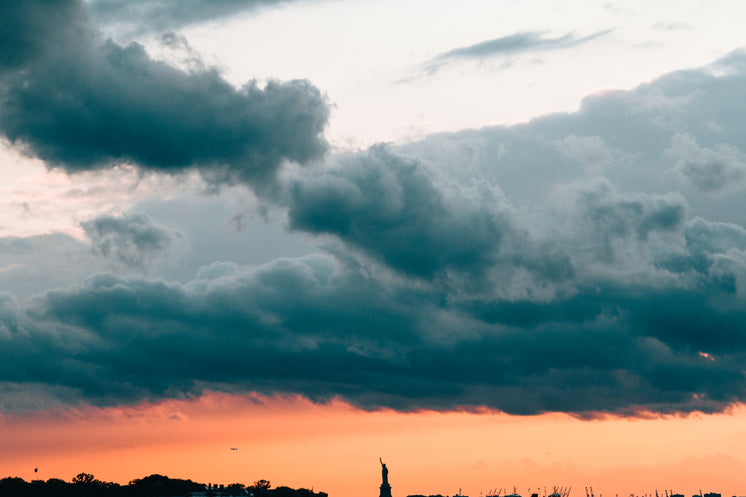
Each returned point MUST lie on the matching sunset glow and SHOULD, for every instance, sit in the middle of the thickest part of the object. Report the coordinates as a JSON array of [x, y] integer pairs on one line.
[[334, 447]]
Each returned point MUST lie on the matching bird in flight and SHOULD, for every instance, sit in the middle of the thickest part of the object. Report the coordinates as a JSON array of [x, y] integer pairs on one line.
[[234, 448]]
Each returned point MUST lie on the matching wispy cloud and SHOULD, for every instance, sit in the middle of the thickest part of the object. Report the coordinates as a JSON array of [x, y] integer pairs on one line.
[[513, 44]]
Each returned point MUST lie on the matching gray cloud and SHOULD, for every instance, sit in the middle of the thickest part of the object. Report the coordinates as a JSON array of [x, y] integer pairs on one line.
[[709, 237], [513, 44], [133, 239], [710, 170], [591, 150], [636, 139], [80, 103], [611, 219]]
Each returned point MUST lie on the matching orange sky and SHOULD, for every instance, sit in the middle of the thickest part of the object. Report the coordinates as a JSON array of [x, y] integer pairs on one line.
[[335, 448]]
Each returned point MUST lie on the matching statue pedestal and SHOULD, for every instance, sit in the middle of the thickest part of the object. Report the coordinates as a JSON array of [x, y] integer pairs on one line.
[[385, 490]]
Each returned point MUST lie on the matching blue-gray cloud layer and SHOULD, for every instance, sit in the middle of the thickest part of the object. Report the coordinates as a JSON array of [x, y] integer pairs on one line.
[[315, 327], [80, 103], [584, 262]]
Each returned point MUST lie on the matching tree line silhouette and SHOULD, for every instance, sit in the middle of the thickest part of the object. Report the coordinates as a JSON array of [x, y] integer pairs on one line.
[[87, 485]]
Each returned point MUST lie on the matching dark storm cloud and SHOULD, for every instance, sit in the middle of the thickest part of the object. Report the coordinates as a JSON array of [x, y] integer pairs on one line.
[[403, 213], [33, 27], [324, 329], [171, 14], [80, 103], [388, 205], [229, 325], [513, 44]]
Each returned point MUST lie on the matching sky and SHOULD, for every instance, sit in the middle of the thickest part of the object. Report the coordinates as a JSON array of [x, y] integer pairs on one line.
[[496, 243]]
